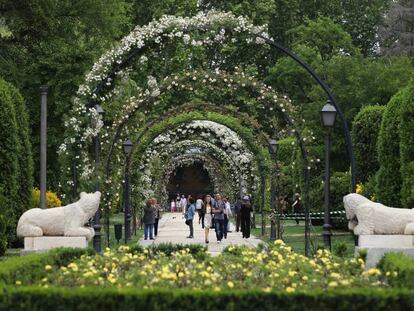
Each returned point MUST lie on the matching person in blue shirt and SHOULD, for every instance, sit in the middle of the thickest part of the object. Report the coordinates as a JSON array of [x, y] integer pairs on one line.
[[189, 216]]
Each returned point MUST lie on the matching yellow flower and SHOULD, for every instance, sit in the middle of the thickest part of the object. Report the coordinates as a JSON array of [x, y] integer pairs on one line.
[[18, 283], [333, 284], [279, 242], [230, 284], [48, 267], [292, 273], [73, 266], [359, 188], [305, 278], [290, 290], [372, 272], [335, 275]]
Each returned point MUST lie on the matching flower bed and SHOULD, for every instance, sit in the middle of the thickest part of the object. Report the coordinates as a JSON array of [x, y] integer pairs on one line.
[[268, 278], [273, 267]]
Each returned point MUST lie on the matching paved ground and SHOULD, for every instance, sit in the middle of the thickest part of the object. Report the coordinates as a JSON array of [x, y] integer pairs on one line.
[[172, 228]]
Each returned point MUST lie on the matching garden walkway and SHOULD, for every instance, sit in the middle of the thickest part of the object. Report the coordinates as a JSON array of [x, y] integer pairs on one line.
[[172, 229]]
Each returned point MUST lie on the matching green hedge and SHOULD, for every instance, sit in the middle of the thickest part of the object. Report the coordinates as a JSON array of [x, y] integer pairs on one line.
[[9, 148], [396, 151], [365, 131], [32, 267], [403, 265], [407, 147], [35, 298], [389, 176]]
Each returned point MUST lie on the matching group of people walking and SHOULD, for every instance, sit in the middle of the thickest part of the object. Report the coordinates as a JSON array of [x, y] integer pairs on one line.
[[216, 213]]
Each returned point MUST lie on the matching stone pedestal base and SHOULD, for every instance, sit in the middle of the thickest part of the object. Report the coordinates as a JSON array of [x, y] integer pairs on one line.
[[45, 243], [378, 245]]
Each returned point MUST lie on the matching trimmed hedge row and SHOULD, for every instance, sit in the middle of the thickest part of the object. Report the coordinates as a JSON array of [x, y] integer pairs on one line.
[[403, 265], [35, 298], [32, 267]]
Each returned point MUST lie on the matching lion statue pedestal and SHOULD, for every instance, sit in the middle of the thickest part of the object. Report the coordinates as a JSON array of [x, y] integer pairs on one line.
[[44, 229], [380, 229]]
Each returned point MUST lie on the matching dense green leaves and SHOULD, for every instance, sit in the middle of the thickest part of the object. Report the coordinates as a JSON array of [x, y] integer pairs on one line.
[[365, 131]]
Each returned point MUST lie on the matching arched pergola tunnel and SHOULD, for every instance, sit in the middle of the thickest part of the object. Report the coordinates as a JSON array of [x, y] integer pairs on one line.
[[145, 85]]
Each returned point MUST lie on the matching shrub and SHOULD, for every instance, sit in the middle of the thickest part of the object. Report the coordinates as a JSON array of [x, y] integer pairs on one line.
[[32, 267], [9, 148], [82, 299], [24, 155], [52, 200], [407, 147], [389, 176], [402, 265], [396, 151], [365, 131]]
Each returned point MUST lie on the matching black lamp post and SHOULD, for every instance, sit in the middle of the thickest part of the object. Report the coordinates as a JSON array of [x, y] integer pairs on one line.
[[273, 147], [328, 116], [128, 146], [97, 241]]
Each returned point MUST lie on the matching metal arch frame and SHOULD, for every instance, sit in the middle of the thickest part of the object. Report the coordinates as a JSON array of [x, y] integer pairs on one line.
[[331, 97]]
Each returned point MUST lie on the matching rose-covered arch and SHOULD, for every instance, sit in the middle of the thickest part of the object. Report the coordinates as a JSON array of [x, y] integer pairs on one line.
[[206, 29]]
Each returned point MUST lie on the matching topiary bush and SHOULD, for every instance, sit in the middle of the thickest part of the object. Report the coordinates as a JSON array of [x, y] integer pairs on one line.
[[407, 147], [365, 131], [395, 183], [9, 167], [389, 175], [24, 155]]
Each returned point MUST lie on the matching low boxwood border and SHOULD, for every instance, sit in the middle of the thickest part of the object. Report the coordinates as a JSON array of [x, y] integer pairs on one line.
[[35, 298]]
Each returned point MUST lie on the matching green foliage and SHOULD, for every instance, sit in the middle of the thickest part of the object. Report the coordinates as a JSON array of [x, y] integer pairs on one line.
[[396, 151], [81, 299], [9, 166], [389, 174], [365, 131], [56, 42], [340, 186], [325, 36], [403, 265], [32, 267], [340, 249], [3, 227], [407, 146]]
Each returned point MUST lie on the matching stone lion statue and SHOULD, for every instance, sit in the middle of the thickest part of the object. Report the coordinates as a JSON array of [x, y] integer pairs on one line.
[[367, 217], [67, 220]]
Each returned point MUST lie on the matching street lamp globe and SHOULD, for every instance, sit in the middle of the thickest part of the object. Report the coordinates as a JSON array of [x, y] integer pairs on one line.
[[328, 114], [128, 145], [273, 146]]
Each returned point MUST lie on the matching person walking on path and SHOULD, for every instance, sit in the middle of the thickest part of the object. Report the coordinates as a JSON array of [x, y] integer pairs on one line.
[[245, 210], [208, 216], [189, 216], [297, 207], [227, 215], [183, 204], [149, 219], [200, 210], [172, 206], [237, 207], [157, 215], [218, 211]]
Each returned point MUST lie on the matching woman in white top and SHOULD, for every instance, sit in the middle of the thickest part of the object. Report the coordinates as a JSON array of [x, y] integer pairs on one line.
[[208, 218], [172, 206]]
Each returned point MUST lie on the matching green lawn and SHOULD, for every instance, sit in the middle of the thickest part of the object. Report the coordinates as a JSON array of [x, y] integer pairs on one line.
[[117, 219], [293, 235]]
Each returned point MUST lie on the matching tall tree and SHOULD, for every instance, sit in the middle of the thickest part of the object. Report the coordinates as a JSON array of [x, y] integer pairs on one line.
[[55, 42], [397, 32]]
